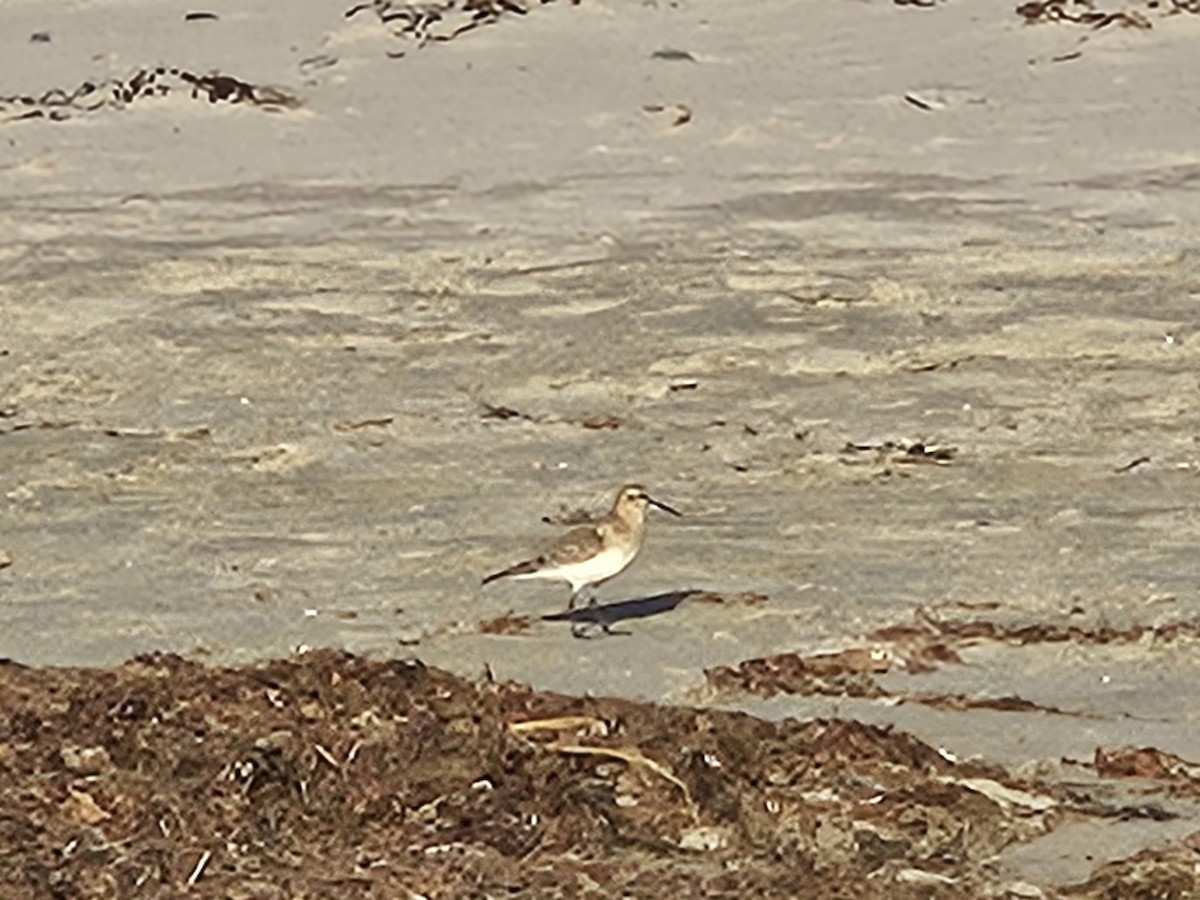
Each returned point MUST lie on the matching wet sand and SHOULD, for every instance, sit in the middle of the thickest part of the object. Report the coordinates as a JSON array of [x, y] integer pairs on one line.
[[902, 317]]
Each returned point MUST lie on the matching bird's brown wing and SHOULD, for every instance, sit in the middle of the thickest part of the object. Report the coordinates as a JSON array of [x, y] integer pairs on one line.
[[574, 546]]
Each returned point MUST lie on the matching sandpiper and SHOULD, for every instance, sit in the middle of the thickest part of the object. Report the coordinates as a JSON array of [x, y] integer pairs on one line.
[[591, 554]]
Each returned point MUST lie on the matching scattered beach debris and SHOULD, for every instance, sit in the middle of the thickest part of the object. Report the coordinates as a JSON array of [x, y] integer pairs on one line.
[[439, 21], [601, 423], [850, 673], [1149, 763], [922, 647], [507, 624], [670, 54], [682, 114], [1159, 871], [1135, 14], [503, 413], [334, 773], [355, 425], [1132, 464], [975, 631], [744, 598], [940, 97], [59, 104], [900, 451], [1085, 12]]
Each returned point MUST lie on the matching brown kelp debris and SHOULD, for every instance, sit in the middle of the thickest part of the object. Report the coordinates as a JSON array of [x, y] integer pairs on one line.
[[501, 413], [42, 425], [1131, 465], [838, 675], [961, 703], [681, 113], [1092, 15], [1168, 873], [899, 451], [598, 422], [918, 647], [359, 424], [329, 775], [921, 647], [1149, 763], [508, 623], [58, 104], [742, 598], [601, 423], [850, 673], [976, 631], [931, 642], [442, 20]]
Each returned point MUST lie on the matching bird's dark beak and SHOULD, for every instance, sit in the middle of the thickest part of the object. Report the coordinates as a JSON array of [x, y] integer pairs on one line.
[[663, 506]]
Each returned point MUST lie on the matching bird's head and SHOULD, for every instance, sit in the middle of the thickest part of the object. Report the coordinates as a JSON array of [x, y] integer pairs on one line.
[[634, 497]]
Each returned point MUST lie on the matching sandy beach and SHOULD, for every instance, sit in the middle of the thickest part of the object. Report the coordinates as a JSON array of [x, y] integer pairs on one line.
[[311, 318]]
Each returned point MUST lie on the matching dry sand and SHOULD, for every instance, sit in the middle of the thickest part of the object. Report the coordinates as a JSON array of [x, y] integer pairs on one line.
[[898, 304]]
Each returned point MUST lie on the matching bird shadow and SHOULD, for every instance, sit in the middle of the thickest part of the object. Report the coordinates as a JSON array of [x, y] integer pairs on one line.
[[603, 617]]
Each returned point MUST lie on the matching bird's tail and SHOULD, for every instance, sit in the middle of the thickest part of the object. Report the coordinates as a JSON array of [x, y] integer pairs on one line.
[[523, 568]]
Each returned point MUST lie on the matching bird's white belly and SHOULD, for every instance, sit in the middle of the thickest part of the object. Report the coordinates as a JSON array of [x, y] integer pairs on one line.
[[604, 564]]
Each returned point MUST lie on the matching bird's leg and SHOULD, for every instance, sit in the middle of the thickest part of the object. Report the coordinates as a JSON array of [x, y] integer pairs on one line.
[[576, 595], [594, 628], [583, 630], [591, 624]]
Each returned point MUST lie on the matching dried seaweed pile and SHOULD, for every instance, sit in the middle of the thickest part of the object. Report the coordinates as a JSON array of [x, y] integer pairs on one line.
[[442, 20], [1093, 15], [58, 104], [1166, 873], [329, 775], [921, 647]]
